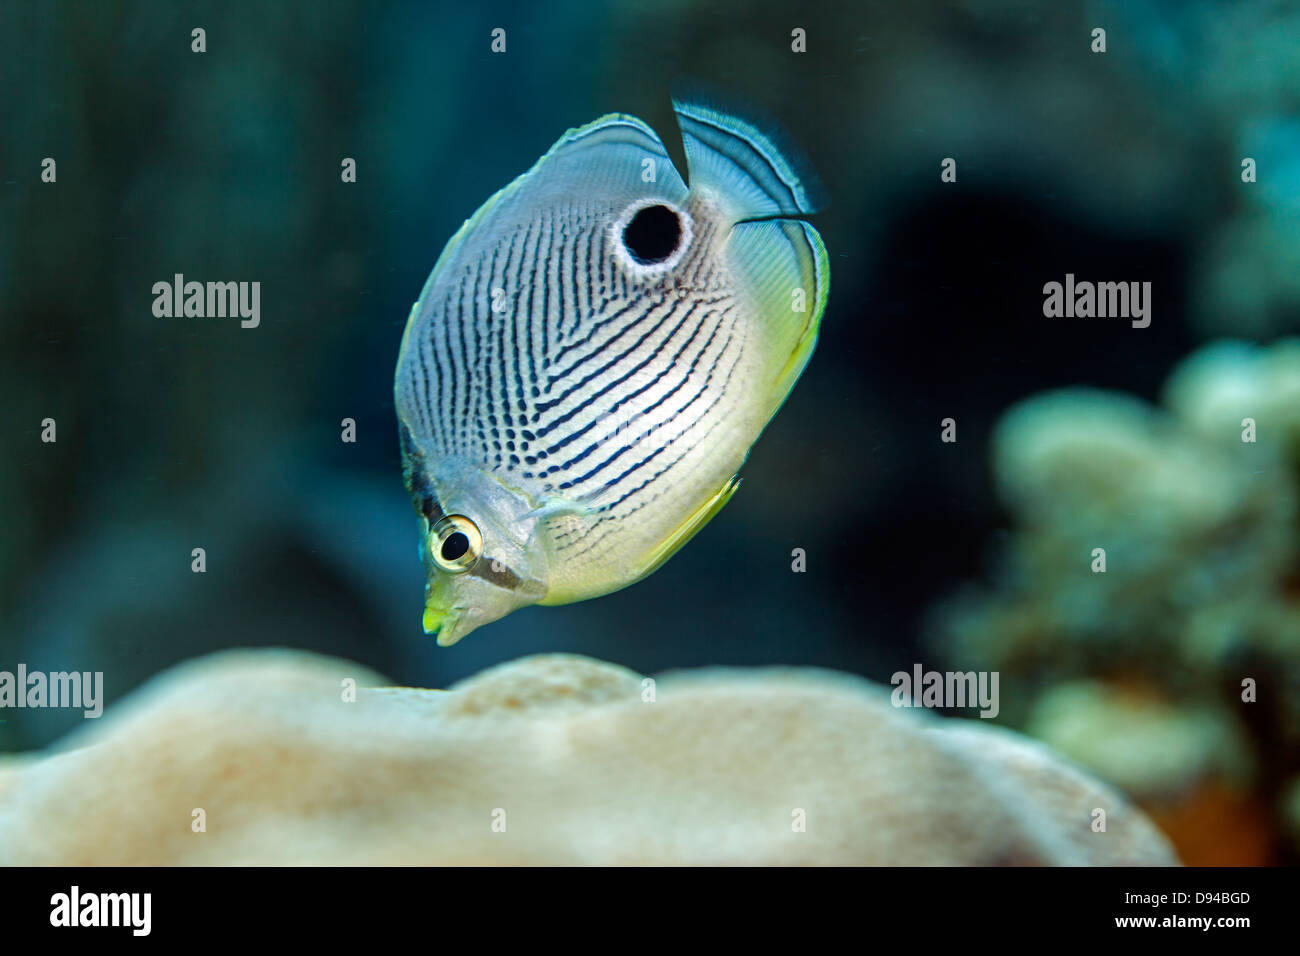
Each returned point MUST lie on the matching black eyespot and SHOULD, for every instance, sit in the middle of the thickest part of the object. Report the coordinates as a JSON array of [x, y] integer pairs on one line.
[[454, 546], [653, 234]]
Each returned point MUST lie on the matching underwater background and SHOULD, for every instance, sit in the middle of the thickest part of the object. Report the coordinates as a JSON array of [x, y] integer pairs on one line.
[[176, 433]]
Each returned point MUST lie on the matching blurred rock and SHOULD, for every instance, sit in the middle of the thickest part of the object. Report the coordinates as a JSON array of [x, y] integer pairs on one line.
[[1218, 387], [1143, 745]]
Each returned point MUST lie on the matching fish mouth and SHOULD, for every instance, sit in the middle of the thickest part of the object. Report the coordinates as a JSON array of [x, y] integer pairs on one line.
[[444, 617], [444, 624]]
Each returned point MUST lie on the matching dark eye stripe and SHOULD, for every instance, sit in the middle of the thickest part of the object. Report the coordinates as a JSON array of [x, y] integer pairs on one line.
[[431, 509], [494, 572], [417, 483]]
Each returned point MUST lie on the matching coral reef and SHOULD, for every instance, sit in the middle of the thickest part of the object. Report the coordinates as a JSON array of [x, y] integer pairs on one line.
[[1175, 672], [553, 759]]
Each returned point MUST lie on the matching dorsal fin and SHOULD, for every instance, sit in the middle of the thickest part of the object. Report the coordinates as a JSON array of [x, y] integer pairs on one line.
[[748, 161]]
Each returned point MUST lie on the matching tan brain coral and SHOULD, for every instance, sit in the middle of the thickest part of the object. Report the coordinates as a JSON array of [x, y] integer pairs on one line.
[[546, 760]]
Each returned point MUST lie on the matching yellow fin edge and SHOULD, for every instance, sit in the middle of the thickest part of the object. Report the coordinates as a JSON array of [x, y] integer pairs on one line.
[[688, 529], [670, 546]]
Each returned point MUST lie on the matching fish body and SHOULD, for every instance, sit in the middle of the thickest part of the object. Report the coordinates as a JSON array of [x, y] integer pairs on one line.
[[594, 354]]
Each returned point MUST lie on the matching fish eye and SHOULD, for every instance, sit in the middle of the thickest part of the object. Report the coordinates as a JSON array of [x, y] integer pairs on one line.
[[455, 543], [653, 234]]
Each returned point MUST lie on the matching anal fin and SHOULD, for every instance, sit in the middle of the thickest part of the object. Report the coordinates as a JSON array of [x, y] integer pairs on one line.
[[687, 529]]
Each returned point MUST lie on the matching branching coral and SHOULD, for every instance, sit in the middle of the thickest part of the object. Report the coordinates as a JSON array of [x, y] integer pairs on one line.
[[1174, 668]]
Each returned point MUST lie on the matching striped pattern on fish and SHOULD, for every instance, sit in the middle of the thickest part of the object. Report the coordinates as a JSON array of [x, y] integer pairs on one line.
[[584, 397]]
